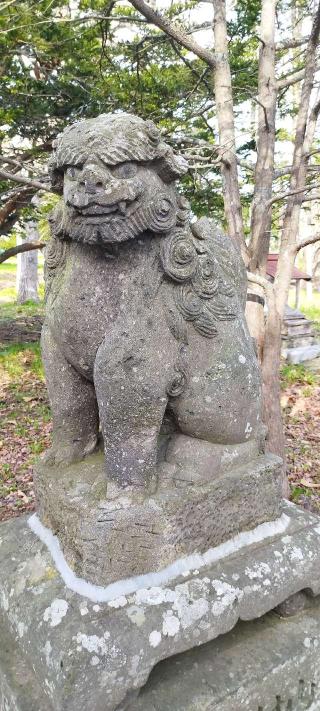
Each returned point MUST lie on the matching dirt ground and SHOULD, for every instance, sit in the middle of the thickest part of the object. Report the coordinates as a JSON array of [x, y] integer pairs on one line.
[[301, 412]]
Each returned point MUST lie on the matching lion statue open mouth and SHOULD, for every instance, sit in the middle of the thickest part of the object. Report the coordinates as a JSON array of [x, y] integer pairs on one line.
[[145, 317]]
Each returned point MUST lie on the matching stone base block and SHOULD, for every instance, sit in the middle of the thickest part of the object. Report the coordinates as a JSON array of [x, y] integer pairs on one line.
[[266, 665], [303, 353], [110, 536], [61, 651]]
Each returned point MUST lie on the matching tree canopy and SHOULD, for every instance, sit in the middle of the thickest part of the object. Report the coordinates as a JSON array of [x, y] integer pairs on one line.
[[63, 61]]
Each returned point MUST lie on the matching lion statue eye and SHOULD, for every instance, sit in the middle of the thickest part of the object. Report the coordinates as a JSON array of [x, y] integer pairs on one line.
[[72, 171], [125, 170]]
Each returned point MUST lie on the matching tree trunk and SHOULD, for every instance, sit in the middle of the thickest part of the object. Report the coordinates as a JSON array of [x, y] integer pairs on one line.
[[270, 367], [263, 178], [27, 268], [261, 211], [310, 249], [288, 250], [225, 117], [303, 141], [272, 414], [309, 256], [316, 270]]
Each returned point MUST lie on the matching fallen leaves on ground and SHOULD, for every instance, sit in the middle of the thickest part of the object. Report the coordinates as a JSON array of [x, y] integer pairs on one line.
[[25, 428], [301, 410]]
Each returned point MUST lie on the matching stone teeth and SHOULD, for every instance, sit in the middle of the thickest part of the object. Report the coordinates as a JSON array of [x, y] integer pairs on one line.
[[122, 207]]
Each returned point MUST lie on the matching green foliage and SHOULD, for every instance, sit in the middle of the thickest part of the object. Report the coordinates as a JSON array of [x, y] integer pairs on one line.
[[291, 374], [58, 68], [6, 242], [283, 135], [298, 491], [247, 17], [312, 311], [8, 266]]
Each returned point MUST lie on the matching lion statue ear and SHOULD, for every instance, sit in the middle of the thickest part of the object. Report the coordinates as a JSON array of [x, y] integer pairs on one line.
[[169, 166], [56, 176]]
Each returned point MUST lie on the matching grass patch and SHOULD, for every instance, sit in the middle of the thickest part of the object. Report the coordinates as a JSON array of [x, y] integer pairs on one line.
[[12, 310], [7, 267], [19, 357], [8, 298], [298, 491], [9, 293], [311, 308], [291, 374], [313, 313]]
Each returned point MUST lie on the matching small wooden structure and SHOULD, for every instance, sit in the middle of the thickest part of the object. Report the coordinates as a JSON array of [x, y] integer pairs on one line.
[[298, 337], [297, 275]]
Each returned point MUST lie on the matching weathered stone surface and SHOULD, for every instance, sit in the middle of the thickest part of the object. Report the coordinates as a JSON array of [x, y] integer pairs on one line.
[[107, 539], [293, 604], [297, 333], [88, 655], [145, 335], [266, 665], [19, 688], [303, 353], [145, 313]]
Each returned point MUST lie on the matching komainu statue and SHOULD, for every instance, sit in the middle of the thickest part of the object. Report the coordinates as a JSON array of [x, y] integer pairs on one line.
[[145, 337]]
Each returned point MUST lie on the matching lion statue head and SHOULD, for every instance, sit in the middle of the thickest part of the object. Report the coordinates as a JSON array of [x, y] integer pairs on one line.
[[117, 179]]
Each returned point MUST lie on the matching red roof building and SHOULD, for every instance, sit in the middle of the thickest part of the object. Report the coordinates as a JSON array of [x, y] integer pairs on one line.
[[297, 275], [272, 268]]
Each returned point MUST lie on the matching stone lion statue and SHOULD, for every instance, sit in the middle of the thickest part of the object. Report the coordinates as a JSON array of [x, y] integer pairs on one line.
[[145, 337]]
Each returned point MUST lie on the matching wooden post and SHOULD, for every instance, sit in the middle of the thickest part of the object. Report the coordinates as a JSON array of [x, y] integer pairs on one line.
[[297, 301]]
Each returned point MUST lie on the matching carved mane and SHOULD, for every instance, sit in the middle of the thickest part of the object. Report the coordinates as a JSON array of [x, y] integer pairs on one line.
[[205, 271]]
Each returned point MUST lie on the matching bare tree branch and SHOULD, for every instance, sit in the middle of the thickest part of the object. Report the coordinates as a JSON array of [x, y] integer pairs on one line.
[[11, 161], [24, 247], [15, 201], [308, 240], [266, 133], [175, 32], [286, 170], [291, 43], [311, 196], [284, 82], [291, 193], [265, 113], [265, 284], [78, 21], [226, 124], [8, 207], [17, 178]]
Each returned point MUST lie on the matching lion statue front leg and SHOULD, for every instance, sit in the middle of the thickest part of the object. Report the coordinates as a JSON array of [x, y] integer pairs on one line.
[[131, 382], [73, 403]]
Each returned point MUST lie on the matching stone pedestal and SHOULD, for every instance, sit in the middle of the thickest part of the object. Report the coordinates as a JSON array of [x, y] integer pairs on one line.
[[270, 664], [107, 535], [61, 651]]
